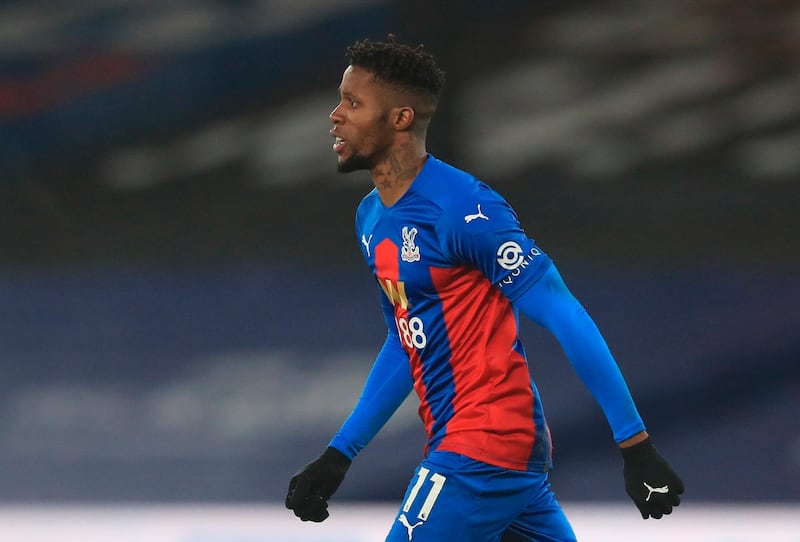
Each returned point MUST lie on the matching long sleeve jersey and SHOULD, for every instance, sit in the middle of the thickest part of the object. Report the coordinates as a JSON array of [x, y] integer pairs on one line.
[[455, 268]]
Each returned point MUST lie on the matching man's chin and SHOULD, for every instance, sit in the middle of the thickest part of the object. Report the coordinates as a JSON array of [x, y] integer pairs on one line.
[[353, 163]]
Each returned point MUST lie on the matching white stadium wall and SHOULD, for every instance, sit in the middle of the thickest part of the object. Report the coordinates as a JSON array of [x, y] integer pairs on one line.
[[369, 523]]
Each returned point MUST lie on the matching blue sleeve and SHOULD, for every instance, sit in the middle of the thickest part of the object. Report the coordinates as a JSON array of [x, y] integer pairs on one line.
[[550, 304], [482, 230], [387, 386]]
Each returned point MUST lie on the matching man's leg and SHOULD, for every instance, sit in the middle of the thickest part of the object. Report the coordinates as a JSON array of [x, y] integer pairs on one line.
[[542, 520]]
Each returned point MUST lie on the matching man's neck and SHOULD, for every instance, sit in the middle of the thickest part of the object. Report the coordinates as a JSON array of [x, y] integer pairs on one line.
[[394, 175]]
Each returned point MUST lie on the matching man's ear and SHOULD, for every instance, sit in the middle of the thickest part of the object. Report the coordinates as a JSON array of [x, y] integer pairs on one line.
[[403, 117]]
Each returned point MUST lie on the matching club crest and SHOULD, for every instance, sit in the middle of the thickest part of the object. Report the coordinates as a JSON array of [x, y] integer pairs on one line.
[[410, 251]]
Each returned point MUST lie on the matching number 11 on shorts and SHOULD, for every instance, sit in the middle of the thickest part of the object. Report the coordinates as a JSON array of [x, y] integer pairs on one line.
[[422, 476]]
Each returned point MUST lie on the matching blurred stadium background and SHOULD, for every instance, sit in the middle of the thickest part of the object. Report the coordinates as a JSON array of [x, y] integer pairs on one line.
[[184, 314]]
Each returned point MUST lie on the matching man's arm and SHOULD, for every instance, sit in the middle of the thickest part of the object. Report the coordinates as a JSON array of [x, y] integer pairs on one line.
[[388, 384], [649, 479], [550, 304]]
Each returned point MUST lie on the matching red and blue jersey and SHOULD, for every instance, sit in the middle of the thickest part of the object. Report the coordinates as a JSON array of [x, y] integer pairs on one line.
[[449, 257], [454, 268]]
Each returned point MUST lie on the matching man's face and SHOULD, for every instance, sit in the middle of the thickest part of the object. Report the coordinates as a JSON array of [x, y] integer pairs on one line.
[[361, 121]]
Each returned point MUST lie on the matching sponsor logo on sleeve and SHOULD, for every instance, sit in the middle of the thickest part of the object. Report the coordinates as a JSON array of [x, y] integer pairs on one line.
[[510, 256]]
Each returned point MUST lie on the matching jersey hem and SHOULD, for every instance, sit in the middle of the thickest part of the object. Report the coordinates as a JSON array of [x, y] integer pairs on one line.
[[480, 455]]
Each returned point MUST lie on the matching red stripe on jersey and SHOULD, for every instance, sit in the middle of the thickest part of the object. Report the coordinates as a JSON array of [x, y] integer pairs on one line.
[[493, 403], [387, 271]]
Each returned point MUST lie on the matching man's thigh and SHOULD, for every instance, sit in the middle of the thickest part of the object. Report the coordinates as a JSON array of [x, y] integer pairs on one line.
[[543, 520]]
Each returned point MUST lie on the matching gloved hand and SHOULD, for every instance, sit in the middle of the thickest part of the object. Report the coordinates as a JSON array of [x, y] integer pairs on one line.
[[650, 481], [312, 486]]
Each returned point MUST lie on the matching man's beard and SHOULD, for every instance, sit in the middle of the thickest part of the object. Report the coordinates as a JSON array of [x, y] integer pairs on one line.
[[356, 162]]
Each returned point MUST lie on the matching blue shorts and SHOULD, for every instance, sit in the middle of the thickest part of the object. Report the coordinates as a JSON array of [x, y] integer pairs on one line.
[[455, 498]]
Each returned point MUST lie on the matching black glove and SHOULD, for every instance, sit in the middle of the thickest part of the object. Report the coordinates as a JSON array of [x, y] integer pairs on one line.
[[312, 486], [650, 481]]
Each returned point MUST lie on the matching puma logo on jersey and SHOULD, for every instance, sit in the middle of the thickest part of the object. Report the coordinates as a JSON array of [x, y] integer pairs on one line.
[[651, 490], [366, 241], [410, 528], [476, 216]]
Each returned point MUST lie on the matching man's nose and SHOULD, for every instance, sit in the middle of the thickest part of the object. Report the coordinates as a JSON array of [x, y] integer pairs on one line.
[[335, 117]]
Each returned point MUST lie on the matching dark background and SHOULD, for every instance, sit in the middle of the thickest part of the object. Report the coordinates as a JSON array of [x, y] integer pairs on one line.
[[184, 313]]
